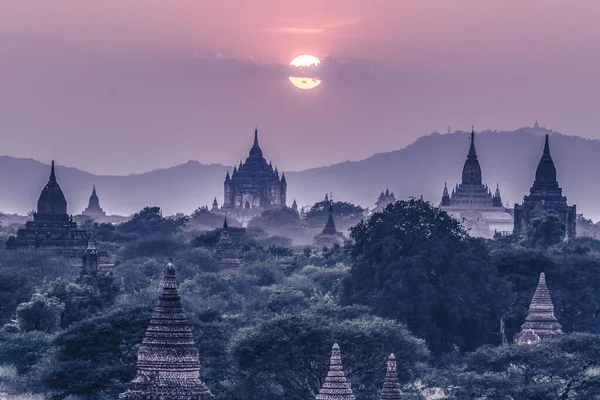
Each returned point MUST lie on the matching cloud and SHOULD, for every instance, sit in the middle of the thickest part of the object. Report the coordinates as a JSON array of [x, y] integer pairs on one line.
[[313, 30]]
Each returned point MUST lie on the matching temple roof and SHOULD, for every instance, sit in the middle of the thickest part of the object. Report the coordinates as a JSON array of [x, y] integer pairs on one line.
[[336, 387], [540, 319], [168, 360], [391, 387], [545, 173], [52, 201], [471, 174], [330, 224]]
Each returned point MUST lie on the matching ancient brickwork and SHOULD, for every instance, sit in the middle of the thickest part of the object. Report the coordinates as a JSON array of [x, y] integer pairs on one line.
[[391, 387], [336, 387]]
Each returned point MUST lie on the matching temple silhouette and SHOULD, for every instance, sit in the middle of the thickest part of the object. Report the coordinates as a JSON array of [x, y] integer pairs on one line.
[[93, 210]]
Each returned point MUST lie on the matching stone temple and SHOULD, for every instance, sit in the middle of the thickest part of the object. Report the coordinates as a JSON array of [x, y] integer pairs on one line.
[[545, 198], [226, 251], [336, 387], [52, 228], [540, 323], [168, 360], [473, 203], [330, 235], [391, 387], [384, 199], [93, 210], [254, 186]]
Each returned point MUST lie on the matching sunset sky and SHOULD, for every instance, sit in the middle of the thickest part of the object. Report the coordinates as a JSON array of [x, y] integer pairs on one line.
[[125, 86]]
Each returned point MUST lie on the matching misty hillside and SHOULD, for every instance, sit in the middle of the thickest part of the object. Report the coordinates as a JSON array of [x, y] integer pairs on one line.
[[509, 158]]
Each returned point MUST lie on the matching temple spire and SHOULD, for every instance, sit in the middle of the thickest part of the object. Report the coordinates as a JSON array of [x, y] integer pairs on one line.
[[540, 319], [547, 147], [545, 173], [391, 387], [255, 137], [225, 224], [94, 190], [472, 152], [336, 387], [471, 174], [52, 173]]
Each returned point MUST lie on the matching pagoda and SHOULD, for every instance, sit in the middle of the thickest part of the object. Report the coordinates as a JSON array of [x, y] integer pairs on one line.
[[540, 322], [254, 186], [52, 228], [93, 209], [384, 199], [473, 203], [391, 387], [336, 387], [545, 198], [168, 360], [225, 249], [330, 235]]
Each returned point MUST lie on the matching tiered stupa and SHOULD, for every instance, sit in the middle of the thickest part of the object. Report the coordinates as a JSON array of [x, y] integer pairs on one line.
[[545, 198], [391, 387], [93, 209], [330, 235], [540, 321], [52, 228], [225, 249], [168, 360], [336, 387]]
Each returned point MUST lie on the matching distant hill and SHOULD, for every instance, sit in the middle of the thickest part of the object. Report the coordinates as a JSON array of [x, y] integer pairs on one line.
[[507, 157]]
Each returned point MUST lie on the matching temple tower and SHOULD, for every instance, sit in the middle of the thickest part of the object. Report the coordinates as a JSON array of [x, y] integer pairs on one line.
[[391, 387], [225, 249], [93, 209], [545, 198], [540, 321], [90, 264], [336, 387], [330, 234], [168, 360]]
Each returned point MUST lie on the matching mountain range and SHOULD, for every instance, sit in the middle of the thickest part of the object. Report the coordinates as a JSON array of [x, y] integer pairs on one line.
[[508, 158]]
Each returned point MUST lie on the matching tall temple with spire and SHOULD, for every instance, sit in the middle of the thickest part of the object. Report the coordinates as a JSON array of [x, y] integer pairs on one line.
[[330, 235], [93, 210], [473, 203], [254, 186], [168, 360], [52, 228], [336, 387], [540, 322], [545, 198]]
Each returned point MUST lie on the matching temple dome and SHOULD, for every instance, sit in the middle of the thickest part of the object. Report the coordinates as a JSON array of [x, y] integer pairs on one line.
[[471, 174], [545, 173], [52, 200]]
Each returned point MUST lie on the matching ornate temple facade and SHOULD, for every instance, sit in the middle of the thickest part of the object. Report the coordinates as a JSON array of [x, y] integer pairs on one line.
[[168, 360], [254, 186], [391, 387], [384, 199], [330, 235], [226, 251], [473, 203], [545, 198], [336, 387], [52, 228], [540, 323], [93, 210]]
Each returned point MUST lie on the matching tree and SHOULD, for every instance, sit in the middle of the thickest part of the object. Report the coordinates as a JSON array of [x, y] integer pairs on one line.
[[283, 222], [23, 349], [150, 221], [346, 214], [550, 370], [288, 355], [41, 313], [414, 263], [545, 231]]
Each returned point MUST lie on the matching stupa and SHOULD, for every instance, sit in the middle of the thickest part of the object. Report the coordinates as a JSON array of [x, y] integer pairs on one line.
[[336, 387], [330, 235], [93, 209], [225, 249], [540, 321], [168, 360], [391, 387]]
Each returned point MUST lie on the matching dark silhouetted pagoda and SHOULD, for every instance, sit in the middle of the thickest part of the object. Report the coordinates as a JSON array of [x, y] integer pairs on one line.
[[329, 235], [254, 186], [336, 387], [168, 360], [540, 321], [225, 249], [545, 198], [93, 209], [391, 387], [52, 228], [473, 203]]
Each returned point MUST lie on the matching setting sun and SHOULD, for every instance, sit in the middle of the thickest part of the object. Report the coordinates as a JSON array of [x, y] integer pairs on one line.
[[303, 74]]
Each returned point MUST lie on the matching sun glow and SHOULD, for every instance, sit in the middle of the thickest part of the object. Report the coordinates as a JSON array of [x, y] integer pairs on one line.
[[303, 74]]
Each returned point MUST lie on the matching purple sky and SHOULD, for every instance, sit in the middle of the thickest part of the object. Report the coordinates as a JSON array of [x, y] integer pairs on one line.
[[122, 86]]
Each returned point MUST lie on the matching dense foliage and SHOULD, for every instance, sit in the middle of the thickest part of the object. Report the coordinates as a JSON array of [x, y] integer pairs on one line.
[[410, 281]]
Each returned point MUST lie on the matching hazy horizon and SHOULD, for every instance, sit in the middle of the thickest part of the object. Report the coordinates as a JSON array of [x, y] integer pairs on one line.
[[127, 86]]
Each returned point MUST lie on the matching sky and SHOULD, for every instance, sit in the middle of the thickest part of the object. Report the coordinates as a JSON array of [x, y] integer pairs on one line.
[[126, 86]]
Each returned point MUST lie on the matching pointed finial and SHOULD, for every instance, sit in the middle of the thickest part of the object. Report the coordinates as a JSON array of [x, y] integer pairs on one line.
[[225, 224], [94, 190], [547, 146], [472, 152], [52, 174], [255, 137]]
